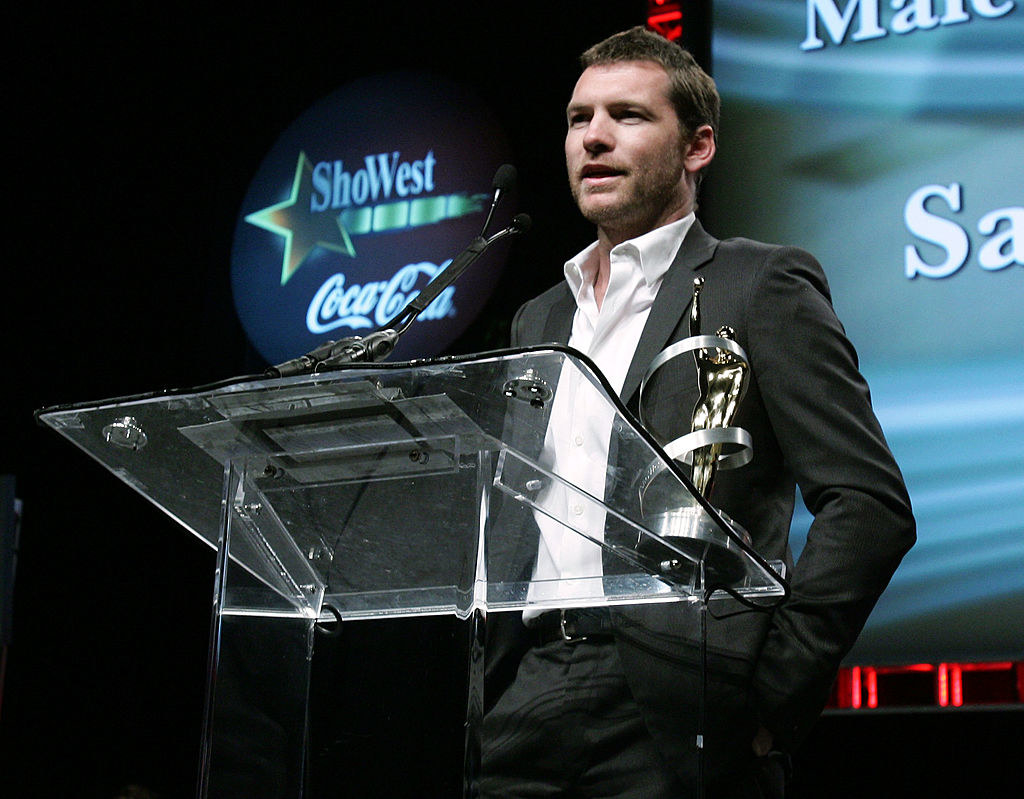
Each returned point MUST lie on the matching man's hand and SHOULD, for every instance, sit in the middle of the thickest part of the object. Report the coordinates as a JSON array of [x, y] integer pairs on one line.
[[762, 743]]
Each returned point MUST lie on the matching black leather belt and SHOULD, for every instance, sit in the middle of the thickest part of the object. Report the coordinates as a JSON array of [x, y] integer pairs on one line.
[[573, 626]]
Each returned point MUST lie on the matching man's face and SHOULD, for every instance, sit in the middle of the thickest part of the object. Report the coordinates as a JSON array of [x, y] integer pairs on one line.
[[625, 151]]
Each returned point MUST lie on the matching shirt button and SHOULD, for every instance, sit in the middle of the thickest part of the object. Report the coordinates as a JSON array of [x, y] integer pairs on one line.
[[579, 441], [577, 509]]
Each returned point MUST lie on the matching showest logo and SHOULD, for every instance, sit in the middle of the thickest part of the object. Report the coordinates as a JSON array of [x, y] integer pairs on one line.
[[911, 15], [382, 176]]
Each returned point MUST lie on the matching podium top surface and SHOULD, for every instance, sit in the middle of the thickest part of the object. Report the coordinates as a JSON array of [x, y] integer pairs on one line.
[[409, 435]]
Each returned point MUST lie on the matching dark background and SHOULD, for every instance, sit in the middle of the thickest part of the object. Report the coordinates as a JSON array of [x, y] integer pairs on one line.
[[132, 134]]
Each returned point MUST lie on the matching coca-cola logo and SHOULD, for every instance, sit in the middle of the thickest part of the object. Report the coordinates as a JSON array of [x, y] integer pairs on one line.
[[362, 201], [373, 305]]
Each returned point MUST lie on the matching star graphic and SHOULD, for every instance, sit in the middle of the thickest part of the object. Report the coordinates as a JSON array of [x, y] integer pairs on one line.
[[302, 229]]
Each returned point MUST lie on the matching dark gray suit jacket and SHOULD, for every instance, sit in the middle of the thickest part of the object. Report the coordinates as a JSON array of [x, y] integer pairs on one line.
[[808, 411]]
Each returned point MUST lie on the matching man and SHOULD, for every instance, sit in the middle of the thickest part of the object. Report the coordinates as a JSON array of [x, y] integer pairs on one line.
[[617, 714]]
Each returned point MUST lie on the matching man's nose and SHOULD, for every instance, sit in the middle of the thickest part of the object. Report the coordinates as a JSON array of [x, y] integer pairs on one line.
[[598, 136]]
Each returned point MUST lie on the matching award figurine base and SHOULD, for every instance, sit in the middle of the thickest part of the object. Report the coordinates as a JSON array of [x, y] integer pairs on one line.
[[691, 531]]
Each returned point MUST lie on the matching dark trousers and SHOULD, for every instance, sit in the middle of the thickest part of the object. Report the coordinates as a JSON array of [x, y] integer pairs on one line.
[[568, 727]]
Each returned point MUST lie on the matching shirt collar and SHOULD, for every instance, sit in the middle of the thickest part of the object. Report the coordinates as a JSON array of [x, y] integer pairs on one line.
[[653, 251]]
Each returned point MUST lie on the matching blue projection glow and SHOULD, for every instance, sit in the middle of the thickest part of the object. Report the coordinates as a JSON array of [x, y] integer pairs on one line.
[[360, 203], [889, 143]]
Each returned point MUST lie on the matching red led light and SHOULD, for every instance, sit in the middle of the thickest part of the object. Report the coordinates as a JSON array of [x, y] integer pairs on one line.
[[956, 685], [942, 686], [665, 17]]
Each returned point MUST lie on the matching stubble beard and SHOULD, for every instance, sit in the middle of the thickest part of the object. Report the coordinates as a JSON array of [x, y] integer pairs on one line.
[[650, 198]]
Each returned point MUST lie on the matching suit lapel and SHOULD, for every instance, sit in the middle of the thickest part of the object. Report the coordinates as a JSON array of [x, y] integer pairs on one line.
[[670, 305], [559, 322]]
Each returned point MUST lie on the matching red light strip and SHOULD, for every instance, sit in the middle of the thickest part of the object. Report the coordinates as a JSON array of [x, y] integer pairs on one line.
[[920, 667], [857, 686], [1007, 666]]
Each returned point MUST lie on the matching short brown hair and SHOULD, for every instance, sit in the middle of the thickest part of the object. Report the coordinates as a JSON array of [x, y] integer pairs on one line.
[[693, 92]]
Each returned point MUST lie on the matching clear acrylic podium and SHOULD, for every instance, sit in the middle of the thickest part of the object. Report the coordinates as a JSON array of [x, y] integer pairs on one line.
[[396, 490]]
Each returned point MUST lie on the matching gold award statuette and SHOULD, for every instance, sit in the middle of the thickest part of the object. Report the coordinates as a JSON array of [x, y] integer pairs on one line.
[[711, 444]]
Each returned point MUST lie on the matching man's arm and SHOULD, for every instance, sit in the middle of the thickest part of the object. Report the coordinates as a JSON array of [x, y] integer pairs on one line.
[[820, 411]]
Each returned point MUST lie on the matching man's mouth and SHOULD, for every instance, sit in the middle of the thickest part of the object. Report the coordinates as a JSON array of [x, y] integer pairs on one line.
[[597, 173]]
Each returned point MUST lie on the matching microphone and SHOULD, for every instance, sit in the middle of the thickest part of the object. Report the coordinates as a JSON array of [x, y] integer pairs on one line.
[[521, 223], [504, 179]]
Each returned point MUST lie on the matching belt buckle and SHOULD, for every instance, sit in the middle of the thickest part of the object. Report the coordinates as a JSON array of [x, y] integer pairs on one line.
[[569, 638]]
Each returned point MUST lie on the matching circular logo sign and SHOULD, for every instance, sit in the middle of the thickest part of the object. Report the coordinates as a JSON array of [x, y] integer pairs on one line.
[[358, 205]]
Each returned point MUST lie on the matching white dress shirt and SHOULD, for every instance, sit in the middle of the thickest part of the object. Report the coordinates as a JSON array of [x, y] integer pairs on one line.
[[576, 443]]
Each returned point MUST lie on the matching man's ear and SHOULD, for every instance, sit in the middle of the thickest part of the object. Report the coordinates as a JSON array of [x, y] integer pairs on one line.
[[700, 149]]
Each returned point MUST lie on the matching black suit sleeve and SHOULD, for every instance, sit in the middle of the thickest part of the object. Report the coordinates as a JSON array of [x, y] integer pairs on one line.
[[820, 411]]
